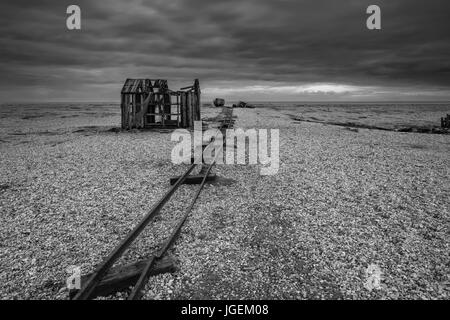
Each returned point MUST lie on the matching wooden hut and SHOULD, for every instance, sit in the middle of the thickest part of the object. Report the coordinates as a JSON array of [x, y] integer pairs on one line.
[[147, 103]]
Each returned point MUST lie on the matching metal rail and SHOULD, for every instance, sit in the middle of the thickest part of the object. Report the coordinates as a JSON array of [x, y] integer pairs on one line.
[[88, 288], [86, 291], [137, 290], [136, 293]]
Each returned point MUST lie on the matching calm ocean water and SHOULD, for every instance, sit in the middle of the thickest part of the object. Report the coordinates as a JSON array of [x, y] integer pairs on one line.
[[394, 114]]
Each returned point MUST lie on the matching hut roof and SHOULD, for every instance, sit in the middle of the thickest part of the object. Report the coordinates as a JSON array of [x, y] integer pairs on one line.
[[144, 85]]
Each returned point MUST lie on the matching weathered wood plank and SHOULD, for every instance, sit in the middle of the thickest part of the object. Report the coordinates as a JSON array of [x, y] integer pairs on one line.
[[126, 111], [183, 109], [194, 179], [121, 277], [122, 111]]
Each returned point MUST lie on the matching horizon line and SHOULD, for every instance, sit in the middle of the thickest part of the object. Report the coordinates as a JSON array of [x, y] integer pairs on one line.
[[248, 101]]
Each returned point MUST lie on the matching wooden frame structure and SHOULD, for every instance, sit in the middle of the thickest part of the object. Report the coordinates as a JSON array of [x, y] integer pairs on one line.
[[147, 103], [445, 122]]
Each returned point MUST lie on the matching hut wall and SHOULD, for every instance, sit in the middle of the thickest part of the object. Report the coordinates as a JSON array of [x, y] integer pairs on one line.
[[133, 111], [158, 106], [190, 108], [183, 108]]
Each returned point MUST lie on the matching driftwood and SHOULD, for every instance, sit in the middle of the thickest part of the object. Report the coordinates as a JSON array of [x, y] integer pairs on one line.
[[122, 277]]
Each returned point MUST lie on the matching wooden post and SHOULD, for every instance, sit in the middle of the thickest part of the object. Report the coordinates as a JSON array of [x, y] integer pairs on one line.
[[122, 110], [194, 107], [126, 111], [197, 99], [197, 106], [133, 111], [139, 115], [167, 106], [189, 109], [178, 110], [152, 108], [132, 98], [183, 109]]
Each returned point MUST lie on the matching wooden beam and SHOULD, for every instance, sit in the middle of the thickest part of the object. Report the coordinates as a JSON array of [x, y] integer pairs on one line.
[[194, 179], [183, 110], [126, 111], [122, 277], [122, 110]]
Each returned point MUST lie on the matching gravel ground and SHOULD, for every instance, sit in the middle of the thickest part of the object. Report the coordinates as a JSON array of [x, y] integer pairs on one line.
[[342, 201]]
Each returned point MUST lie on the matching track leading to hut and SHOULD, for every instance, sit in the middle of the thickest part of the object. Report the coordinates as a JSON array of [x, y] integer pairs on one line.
[[92, 286]]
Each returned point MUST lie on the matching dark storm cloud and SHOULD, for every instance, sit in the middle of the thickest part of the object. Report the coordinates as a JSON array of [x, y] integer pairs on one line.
[[285, 45]]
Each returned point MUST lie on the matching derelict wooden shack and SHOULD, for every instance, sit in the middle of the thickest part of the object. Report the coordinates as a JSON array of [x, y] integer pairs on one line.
[[147, 103]]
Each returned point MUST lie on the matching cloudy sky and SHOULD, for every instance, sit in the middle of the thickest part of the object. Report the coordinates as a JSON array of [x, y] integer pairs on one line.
[[257, 50]]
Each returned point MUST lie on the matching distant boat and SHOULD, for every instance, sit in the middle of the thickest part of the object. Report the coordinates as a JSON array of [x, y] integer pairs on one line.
[[218, 102]]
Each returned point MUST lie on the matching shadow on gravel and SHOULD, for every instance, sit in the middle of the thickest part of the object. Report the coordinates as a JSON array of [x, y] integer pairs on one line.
[[221, 181]]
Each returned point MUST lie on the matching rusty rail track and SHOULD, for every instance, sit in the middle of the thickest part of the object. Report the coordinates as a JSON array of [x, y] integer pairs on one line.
[[89, 286]]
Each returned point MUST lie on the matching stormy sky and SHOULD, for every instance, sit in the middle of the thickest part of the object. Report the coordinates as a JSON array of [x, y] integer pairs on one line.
[[256, 50]]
